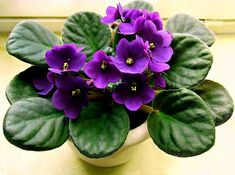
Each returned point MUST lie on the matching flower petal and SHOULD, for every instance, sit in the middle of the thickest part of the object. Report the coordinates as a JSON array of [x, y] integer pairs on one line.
[[113, 75], [163, 38], [40, 84], [158, 67], [139, 66], [110, 15], [122, 66], [91, 68], [60, 98], [136, 49], [148, 30], [119, 94], [133, 103], [159, 81], [162, 54], [122, 48], [73, 109], [77, 61], [147, 94], [56, 71], [127, 28], [54, 59], [69, 82], [46, 90], [99, 56], [101, 80], [51, 77]]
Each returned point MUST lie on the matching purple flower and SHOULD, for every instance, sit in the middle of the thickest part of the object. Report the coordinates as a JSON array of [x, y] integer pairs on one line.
[[159, 81], [102, 70], [145, 23], [133, 92], [160, 51], [133, 27], [112, 14], [155, 18], [65, 58], [71, 95], [131, 57], [44, 85], [131, 14]]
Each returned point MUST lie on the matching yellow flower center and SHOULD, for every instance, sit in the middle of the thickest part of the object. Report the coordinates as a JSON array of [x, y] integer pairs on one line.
[[103, 65], [65, 66], [152, 46], [129, 61], [134, 87], [76, 92]]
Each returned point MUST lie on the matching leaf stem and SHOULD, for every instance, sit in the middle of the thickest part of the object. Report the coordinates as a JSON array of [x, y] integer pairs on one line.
[[147, 109]]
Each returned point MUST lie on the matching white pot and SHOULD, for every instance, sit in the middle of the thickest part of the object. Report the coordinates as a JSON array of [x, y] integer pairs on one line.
[[135, 136]]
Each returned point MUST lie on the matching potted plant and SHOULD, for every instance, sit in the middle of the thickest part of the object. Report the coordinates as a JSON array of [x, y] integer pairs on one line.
[[112, 82]]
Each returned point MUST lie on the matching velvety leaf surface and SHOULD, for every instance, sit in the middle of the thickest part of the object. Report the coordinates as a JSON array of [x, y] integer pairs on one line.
[[100, 130], [140, 5], [190, 62], [86, 30], [184, 23], [33, 124], [21, 86], [217, 98], [29, 42], [182, 124]]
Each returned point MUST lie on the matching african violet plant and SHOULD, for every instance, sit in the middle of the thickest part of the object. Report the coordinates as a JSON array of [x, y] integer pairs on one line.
[[106, 74]]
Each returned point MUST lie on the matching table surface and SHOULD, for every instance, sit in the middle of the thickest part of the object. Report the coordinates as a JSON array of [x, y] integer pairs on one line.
[[148, 159]]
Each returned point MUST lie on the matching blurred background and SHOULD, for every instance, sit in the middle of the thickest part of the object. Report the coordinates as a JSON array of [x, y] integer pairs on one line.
[[148, 160]]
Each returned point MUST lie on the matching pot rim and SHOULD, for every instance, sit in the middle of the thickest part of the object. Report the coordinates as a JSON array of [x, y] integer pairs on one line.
[[137, 135]]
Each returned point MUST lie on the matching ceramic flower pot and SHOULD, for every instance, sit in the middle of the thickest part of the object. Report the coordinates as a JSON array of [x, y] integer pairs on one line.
[[134, 138]]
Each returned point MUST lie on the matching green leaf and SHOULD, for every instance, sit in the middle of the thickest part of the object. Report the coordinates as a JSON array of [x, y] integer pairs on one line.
[[100, 130], [29, 42], [86, 30], [21, 86], [33, 124], [217, 99], [184, 23], [182, 124], [190, 62], [140, 5]]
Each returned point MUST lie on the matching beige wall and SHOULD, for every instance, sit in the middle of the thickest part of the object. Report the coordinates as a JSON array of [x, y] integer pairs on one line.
[[210, 9]]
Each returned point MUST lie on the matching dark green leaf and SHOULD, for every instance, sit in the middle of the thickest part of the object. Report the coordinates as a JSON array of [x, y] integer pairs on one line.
[[29, 42], [182, 124], [21, 86], [85, 29], [217, 98], [33, 124], [184, 23], [190, 62], [140, 5], [100, 130]]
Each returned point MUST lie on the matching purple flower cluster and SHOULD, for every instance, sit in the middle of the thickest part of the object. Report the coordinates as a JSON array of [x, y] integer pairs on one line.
[[129, 69], [71, 93]]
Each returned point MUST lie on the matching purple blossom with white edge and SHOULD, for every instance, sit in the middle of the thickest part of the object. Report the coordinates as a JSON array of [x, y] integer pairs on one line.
[[65, 58], [112, 14], [102, 70], [71, 95], [131, 57], [133, 92], [45, 84]]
